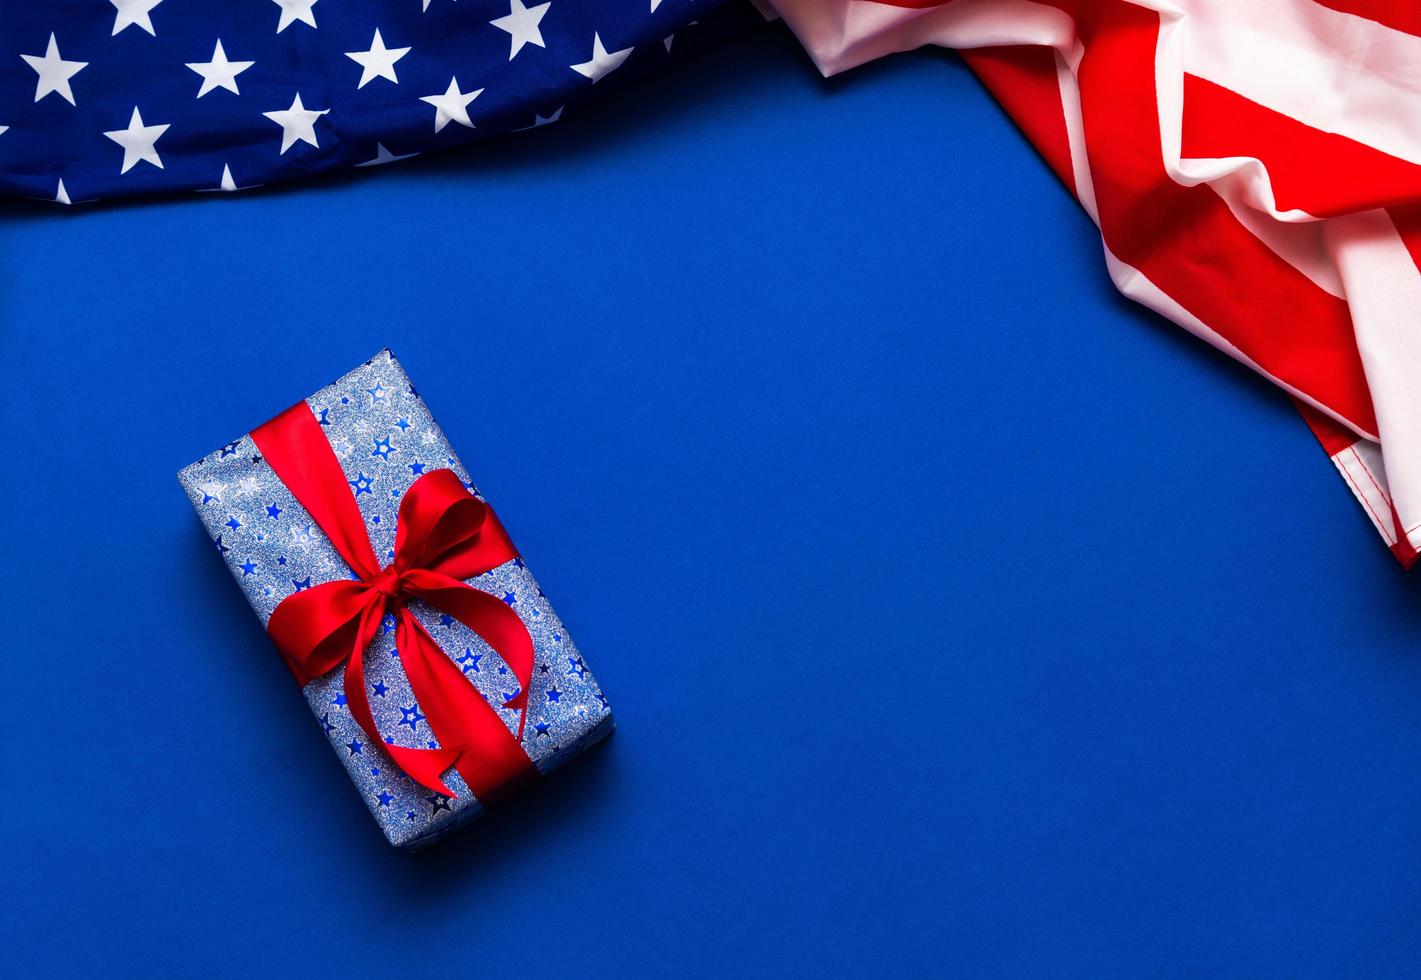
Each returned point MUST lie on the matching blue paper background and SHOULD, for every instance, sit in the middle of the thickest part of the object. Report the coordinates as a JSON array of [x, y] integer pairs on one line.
[[958, 616]]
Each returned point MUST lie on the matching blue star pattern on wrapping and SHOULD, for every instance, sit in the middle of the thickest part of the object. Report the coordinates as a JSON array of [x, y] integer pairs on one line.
[[361, 484], [411, 717], [382, 448], [181, 97], [566, 712], [273, 511]]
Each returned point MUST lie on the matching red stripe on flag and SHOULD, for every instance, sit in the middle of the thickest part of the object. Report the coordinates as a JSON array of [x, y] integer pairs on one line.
[[1321, 173], [1401, 15], [1023, 79], [1337, 439], [1185, 239], [1333, 435]]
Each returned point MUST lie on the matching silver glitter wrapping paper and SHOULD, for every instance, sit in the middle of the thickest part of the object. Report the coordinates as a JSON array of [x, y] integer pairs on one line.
[[384, 437]]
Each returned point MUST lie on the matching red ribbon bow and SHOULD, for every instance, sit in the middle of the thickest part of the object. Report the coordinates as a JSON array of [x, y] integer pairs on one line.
[[445, 535]]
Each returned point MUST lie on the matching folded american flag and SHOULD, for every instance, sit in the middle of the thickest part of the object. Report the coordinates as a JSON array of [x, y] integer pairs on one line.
[[1254, 167], [110, 98]]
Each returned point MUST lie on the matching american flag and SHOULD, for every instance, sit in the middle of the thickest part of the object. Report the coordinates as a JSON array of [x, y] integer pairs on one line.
[[114, 98], [1254, 167]]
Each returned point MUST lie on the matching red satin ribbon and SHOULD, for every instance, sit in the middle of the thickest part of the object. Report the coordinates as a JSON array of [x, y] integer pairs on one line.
[[445, 535]]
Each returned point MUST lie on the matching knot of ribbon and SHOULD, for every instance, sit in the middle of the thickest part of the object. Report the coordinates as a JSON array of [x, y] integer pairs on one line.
[[444, 536]]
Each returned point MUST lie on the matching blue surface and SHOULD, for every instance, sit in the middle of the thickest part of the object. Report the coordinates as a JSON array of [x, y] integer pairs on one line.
[[958, 615]]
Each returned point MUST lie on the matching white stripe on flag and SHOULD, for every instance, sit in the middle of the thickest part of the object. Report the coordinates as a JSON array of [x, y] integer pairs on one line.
[[1361, 466], [1330, 70], [1385, 293]]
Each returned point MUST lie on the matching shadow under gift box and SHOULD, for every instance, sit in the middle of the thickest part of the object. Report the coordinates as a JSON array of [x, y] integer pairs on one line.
[[385, 439]]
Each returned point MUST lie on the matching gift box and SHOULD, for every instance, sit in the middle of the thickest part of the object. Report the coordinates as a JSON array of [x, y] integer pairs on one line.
[[428, 654]]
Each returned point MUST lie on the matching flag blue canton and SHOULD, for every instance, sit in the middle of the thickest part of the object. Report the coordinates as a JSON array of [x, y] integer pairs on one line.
[[114, 98]]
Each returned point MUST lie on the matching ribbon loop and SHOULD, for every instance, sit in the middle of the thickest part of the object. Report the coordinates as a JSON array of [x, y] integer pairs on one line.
[[444, 535]]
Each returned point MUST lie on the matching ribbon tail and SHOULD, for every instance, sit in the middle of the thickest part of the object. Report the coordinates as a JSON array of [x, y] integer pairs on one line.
[[501, 629], [424, 766], [492, 619], [490, 758]]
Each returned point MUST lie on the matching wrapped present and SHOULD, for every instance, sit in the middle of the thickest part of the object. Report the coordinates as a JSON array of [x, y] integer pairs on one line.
[[430, 658]]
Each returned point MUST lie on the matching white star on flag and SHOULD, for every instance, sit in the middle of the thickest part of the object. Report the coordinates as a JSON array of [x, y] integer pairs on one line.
[[138, 142], [452, 106], [297, 123], [522, 25], [131, 12], [219, 72], [54, 72], [602, 62], [378, 62], [294, 10]]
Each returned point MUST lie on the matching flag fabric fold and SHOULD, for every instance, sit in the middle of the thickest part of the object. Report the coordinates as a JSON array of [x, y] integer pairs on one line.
[[1254, 168], [1255, 172]]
